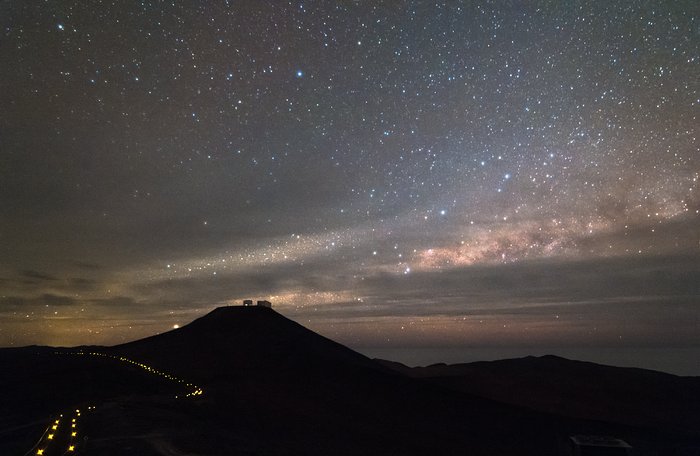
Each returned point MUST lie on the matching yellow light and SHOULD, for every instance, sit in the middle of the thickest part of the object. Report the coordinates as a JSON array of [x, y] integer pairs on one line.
[[50, 437], [71, 448], [39, 451], [54, 427], [73, 434], [72, 425]]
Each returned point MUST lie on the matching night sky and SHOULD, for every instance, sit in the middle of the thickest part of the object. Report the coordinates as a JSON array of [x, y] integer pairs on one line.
[[390, 174]]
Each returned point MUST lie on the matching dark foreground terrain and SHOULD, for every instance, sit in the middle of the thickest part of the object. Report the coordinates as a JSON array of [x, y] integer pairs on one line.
[[248, 381]]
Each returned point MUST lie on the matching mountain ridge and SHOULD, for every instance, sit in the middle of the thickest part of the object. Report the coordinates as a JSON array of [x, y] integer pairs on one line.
[[273, 387], [577, 389]]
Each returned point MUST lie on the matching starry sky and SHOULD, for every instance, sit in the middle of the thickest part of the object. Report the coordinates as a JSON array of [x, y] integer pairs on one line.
[[399, 174]]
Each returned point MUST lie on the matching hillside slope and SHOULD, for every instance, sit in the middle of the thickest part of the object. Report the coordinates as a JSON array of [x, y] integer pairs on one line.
[[635, 397]]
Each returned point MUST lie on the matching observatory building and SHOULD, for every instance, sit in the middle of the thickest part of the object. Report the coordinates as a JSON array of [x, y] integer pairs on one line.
[[262, 303]]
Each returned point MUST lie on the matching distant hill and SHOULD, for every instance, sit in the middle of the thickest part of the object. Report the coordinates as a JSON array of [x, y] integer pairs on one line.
[[551, 384], [272, 387]]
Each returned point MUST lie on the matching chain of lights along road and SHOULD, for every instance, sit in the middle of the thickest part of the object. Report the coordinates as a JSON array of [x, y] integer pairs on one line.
[[50, 433]]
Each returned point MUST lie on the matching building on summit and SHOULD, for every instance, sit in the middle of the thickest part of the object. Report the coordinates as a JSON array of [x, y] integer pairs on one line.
[[261, 303]]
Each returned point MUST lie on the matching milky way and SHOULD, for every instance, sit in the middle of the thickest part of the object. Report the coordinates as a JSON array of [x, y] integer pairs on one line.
[[388, 173]]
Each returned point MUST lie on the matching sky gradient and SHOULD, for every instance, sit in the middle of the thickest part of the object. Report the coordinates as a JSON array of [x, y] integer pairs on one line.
[[390, 174]]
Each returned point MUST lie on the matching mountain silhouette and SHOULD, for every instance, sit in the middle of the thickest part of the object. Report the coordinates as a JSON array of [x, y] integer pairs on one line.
[[552, 384], [272, 387], [232, 338], [265, 366]]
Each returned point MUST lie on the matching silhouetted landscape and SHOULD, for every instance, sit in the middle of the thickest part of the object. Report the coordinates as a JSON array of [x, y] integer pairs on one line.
[[248, 381], [509, 189]]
